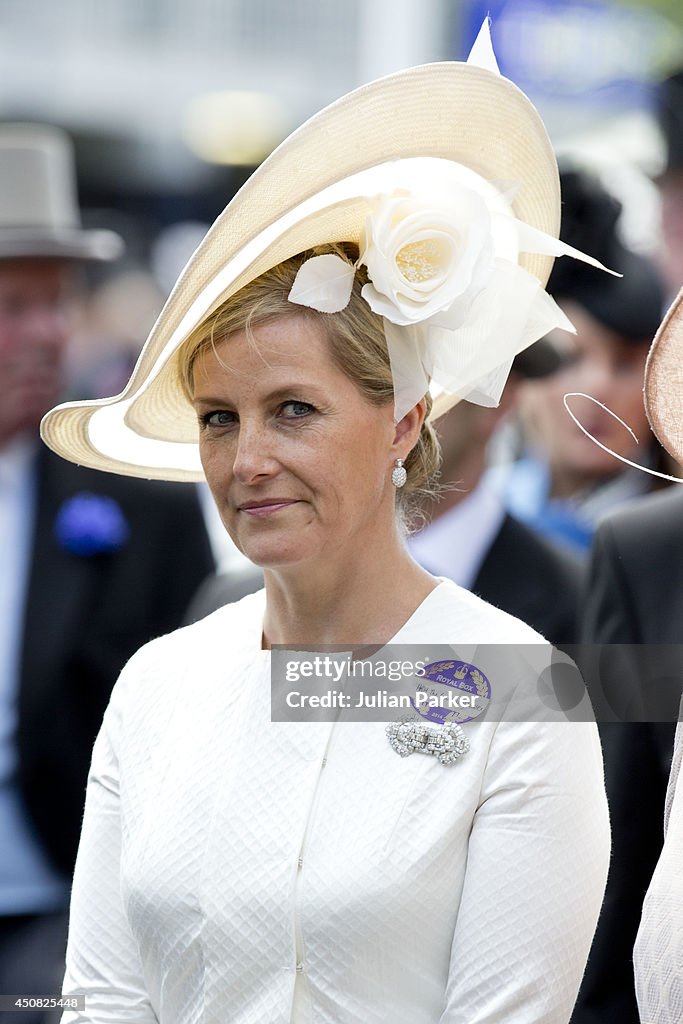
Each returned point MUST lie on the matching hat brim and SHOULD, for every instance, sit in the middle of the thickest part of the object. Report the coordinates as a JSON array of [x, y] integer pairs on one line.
[[453, 111], [66, 244], [663, 388]]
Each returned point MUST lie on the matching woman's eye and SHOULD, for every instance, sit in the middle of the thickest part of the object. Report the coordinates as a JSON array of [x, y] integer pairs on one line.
[[296, 410], [218, 419]]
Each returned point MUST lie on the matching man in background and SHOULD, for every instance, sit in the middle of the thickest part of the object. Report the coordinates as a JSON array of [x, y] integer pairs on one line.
[[634, 596], [471, 539], [92, 565]]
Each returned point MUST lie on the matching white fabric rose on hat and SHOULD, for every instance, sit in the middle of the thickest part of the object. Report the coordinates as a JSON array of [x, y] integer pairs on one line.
[[427, 257], [441, 246]]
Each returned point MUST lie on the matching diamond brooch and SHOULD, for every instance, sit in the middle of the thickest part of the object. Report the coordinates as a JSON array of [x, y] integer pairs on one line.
[[445, 742]]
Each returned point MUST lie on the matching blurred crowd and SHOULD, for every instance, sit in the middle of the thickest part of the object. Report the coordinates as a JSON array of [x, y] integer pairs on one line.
[[535, 516]]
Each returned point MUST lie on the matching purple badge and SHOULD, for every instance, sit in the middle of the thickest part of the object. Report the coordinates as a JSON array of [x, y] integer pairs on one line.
[[451, 692]]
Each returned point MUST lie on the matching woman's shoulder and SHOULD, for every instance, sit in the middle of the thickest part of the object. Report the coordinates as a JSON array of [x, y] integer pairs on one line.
[[242, 619], [228, 633], [187, 662]]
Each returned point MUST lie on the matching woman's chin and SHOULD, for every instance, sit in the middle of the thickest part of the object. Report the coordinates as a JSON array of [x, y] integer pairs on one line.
[[276, 556]]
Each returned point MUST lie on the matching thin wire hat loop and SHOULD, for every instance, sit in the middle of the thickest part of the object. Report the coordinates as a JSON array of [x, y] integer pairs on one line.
[[605, 448]]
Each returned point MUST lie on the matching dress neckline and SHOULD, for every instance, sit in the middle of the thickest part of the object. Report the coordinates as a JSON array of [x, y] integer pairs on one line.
[[423, 612]]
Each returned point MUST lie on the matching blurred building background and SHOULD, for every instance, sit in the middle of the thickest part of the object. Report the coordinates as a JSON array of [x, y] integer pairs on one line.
[[172, 102]]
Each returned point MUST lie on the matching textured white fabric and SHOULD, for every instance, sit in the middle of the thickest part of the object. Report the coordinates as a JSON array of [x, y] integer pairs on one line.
[[221, 850], [658, 952]]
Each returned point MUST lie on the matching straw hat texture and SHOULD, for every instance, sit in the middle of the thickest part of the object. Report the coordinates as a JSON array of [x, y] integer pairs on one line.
[[310, 191], [663, 388]]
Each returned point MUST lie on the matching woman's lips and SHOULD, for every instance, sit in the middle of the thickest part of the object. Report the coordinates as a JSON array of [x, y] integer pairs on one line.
[[607, 430], [262, 509], [598, 429]]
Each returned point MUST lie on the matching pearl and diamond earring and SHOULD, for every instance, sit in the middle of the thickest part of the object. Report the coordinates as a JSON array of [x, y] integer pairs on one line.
[[398, 473]]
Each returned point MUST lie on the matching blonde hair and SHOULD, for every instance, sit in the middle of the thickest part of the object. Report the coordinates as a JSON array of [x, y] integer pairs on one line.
[[357, 345]]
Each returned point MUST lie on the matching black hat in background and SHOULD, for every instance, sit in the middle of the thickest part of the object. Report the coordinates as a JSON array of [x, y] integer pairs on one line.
[[630, 306], [670, 118]]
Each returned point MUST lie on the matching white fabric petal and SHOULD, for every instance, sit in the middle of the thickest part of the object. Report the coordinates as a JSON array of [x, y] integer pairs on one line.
[[493, 334], [507, 187], [489, 388], [482, 54], [323, 283], [473, 362], [456, 314], [533, 240], [384, 307], [410, 380], [545, 315]]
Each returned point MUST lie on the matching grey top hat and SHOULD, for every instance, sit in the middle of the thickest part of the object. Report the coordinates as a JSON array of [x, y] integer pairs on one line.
[[39, 214]]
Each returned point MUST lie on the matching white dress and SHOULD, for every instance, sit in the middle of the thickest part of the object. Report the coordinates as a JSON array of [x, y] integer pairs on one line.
[[658, 952], [233, 870]]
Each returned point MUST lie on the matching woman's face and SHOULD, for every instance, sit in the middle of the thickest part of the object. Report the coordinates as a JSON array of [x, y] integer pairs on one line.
[[603, 366], [297, 459]]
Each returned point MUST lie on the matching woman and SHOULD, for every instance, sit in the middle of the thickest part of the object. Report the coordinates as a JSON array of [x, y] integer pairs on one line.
[[564, 483], [237, 868]]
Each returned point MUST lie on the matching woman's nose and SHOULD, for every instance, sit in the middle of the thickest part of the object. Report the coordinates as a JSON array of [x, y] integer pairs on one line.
[[253, 456], [45, 325]]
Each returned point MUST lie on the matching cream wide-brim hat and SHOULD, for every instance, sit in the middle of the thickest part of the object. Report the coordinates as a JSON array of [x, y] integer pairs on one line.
[[312, 190], [663, 388]]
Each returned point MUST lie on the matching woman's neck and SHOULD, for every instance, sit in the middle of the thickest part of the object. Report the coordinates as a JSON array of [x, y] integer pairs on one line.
[[362, 600]]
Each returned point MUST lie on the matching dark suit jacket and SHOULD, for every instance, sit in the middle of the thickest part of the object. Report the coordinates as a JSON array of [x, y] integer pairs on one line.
[[84, 617], [529, 577], [634, 595], [223, 588]]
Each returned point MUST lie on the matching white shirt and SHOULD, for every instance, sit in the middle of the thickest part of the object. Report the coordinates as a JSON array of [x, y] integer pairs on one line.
[[232, 869], [226, 555], [16, 521], [658, 952], [456, 543], [28, 882]]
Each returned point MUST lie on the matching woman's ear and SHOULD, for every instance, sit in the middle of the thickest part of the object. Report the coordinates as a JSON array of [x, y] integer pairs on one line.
[[407, 430]]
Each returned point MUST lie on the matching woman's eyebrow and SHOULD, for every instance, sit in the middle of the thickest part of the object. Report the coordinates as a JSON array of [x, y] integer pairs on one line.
[[209, 400], [293, 390]]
